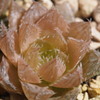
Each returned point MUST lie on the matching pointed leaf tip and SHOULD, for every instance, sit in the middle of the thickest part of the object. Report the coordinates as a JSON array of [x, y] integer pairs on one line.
[[15, 14], [26, 73], [71, 79], [91, 64], [9, 44], [52, 70], [28, 31], [35, 92], [9, 77]]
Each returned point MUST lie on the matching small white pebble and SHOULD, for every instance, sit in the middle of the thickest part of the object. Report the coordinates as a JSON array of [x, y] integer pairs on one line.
[[80, 96], [98, 78], [84, 87], [86, 96]]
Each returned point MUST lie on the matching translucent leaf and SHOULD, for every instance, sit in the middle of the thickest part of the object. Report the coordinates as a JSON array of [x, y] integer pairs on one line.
[[52, 70], [76, 51], [32, 56], [52, 20], [26, 73], [41, 52], [9, 77], [28, 32], [35, 12], [15, 14], [29, 35], [35, 92], [9, 44], [79, 39], [53, 27], [91, 64], [65, 10], [70, 80], [80, 31]]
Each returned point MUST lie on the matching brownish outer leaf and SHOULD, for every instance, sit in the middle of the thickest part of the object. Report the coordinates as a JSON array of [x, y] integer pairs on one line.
[[33, 13], [9, 44], [76, 51], [4, 5], [79, 38], [71, 79], [80, 31], [91, 64], [15, 14], [52, 20], [52, 70], [66, 10], [9, 77], [35, 92], [28, 32], [32, 57], [53, 27], [26, 72]]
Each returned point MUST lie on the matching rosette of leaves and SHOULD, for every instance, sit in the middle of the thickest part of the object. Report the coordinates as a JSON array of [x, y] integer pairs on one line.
[[44, 57]]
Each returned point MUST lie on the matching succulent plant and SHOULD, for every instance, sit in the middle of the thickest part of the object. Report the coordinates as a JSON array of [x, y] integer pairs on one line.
[[43, 56]]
